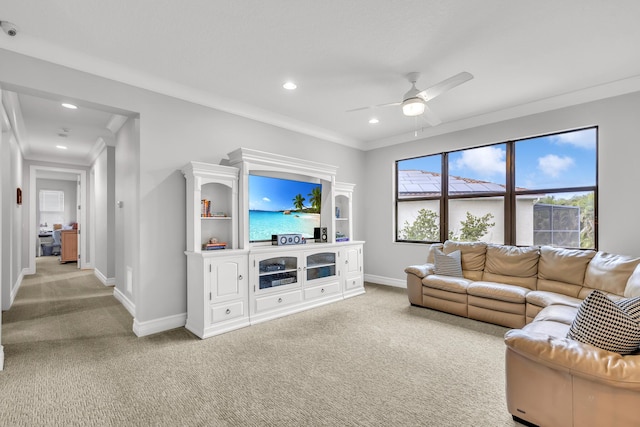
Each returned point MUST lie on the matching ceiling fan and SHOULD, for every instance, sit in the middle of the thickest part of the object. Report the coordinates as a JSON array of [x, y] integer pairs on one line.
[[414, 102]]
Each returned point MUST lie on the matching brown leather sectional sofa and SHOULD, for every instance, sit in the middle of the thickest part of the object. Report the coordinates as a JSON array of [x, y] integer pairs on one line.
[[551, 380]]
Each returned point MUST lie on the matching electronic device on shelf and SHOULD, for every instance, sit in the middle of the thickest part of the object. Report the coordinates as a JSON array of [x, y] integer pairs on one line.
[[273, 267], [320, 234], [287, 239]]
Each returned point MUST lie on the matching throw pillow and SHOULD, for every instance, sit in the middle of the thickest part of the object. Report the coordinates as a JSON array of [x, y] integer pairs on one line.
[[606, 324], [447, 264]]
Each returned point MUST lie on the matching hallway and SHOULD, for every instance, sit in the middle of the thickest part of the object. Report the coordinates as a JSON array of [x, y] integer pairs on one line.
[[61, 303]]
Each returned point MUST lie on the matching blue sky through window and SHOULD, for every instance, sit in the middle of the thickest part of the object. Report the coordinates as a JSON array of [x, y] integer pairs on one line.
[[547, 162], [554, 161]]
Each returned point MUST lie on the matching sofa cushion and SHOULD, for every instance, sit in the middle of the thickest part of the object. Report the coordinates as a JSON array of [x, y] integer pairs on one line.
[[609, 273], [447, 264], [512, 260], [563, 265], [511, 265], [472, 253], [557, 287], [633, 284], [606, 324], [558, 313], [546, 298], [498, 291], [546, 328], [446, 283]]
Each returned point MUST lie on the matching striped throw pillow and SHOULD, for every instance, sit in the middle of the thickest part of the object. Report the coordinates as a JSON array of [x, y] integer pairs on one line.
[[447, 264], [606, 324]]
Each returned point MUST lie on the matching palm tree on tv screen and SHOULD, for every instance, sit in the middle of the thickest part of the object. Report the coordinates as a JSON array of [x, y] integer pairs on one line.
[[316, 198], [298, 202]]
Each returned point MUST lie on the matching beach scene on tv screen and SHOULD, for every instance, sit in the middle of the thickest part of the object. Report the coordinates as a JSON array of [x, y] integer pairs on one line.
[[282, 206]]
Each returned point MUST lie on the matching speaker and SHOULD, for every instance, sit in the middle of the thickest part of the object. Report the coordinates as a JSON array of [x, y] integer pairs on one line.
[[320, 234], [287, 239]]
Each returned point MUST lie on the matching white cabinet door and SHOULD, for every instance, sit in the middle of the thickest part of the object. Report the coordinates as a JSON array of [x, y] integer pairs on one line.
[[320, 266], [352, 269], [353, 260], [275, 272], [227, 284], [227, 278]]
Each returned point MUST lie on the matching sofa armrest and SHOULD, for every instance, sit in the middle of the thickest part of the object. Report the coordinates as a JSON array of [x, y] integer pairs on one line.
[[421, 270], [415, 273], [576, 358]]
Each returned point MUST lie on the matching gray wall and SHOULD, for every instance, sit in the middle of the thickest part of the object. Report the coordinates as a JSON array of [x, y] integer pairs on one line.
[[103, 196], [11, 217], [619, 149], [127, 221]]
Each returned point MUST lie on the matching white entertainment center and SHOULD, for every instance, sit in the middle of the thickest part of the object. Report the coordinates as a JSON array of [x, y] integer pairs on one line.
[[249, 282]]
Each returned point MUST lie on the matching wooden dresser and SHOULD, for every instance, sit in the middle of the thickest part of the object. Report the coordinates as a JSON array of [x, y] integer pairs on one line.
[[69, 246]]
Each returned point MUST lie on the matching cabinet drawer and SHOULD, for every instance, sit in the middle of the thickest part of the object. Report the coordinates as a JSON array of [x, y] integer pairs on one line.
[[222, 312], [321, 291], [354, 282], [276, 301]]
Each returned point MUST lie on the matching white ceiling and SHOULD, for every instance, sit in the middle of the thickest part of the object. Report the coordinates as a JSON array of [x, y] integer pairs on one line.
[[526, 57], [50, 126]]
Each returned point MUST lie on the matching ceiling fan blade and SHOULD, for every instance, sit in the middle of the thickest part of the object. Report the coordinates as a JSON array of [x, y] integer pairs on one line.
[[390, 104], [445, 85], [358, 109], [430, 117]]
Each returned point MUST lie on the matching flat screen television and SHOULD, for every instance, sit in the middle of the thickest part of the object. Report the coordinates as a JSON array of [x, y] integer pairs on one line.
[[282, 206]]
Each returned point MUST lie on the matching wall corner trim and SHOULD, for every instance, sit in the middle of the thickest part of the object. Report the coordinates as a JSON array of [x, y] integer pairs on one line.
[[162, 324], [126, 302], [106, 281]]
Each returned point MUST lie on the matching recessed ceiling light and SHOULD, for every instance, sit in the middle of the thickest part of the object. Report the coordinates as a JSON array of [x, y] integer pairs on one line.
[[289, 85], [373, 121], [69, 106], [61, 147]]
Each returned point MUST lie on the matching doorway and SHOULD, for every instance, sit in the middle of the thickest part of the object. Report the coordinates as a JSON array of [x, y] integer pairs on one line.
[[36, 171]]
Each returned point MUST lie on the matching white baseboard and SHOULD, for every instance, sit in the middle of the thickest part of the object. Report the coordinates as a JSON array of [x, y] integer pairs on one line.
[[1, 358], [107, 281], [14, 290], [381, 280], [150, 327], [16, 286], [126, 302]]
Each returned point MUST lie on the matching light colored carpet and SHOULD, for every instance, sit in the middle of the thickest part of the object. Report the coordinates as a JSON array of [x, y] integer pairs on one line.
[[372, 360]]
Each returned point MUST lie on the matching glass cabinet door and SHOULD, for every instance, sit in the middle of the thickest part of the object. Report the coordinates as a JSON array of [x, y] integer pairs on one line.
[[321, 265], [279, 271]]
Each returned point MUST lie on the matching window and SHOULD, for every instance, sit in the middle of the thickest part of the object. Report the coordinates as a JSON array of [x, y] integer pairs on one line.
[[51, 208], [555, 184], [476, 193], [418, 199], [534, 191]]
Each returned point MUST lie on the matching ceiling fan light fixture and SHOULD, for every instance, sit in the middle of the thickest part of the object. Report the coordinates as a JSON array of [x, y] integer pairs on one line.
[[413, 107]]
